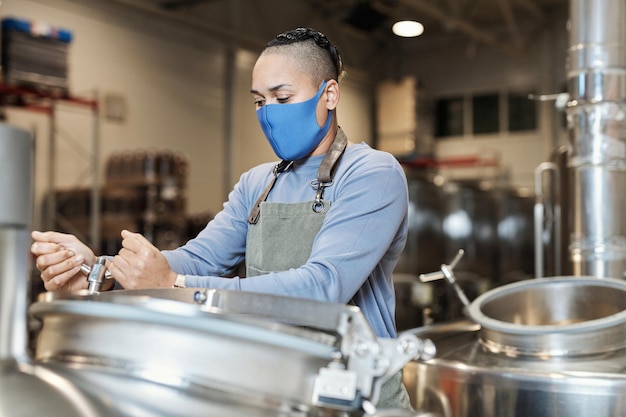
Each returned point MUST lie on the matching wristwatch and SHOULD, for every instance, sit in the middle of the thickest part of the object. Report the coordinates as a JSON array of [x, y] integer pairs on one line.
[[180, 281]]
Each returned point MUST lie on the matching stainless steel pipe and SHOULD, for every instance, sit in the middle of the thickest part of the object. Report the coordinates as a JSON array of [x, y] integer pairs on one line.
[[15, 212], [596, 114], [27, 389]]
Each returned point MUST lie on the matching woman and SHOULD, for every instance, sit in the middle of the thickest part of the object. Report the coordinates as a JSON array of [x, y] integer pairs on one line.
[[327, 223]]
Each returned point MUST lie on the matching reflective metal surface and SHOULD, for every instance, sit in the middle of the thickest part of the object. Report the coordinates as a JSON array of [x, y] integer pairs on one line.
[[596, 114], [514, 235], [493, 223], [470, 223], [566, 316], [276, 353], [551, 347], [26, 389], [15, 211], [422, 252]]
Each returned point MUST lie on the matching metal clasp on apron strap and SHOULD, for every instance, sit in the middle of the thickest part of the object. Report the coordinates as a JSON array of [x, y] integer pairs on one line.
[[326, 170], [318, 186], [325, 174]]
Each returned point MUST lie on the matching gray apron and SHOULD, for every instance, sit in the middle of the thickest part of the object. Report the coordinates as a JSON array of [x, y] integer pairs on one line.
[[280, 237]]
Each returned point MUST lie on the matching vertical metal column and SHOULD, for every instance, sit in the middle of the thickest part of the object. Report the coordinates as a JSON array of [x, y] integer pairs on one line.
[[95, 215], [50, 219], [596, 114], [16, 154]]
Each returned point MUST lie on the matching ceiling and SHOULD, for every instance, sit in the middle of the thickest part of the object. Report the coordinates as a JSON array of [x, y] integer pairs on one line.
[[362, 28]]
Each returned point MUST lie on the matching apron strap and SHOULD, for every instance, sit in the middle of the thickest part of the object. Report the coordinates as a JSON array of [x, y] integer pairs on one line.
[[325, 174], [278, 168], [326, 170]]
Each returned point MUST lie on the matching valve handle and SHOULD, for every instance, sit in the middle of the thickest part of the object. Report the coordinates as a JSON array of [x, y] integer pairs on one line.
[[446, 272]]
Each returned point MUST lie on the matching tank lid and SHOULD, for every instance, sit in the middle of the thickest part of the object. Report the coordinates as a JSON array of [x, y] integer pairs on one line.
[[558, 316]]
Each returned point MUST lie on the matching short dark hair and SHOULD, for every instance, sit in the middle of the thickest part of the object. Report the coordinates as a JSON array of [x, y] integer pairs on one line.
[[313, 50]]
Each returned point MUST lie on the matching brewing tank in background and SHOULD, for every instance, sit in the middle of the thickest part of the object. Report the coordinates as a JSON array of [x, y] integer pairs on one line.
[[596, 116], [424, 251], [470, 224], [515, 235], [490, 220]]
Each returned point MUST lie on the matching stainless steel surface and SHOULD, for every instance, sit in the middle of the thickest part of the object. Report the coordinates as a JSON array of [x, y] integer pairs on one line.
[[549, 317], [30, 390], [470, 222], [265, 349], [596, 114], [422, 252], [492, 221], [552, 215], [515, 235], [96, 276], [15, 211], [552, 347], [26, 390], [425, 218], [86, 269], [547, 217]]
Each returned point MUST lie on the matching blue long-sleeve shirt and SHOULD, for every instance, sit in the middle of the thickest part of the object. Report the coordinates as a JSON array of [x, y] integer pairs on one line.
[[353, 254]]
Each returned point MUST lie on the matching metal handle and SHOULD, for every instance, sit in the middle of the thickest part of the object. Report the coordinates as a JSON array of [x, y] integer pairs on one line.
[[434, 276], [446, 272], [86, 269], [96, 275], [560, 99]]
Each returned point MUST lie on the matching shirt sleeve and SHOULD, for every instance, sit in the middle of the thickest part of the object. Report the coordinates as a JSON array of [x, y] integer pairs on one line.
[[360, 238], [220, 247]]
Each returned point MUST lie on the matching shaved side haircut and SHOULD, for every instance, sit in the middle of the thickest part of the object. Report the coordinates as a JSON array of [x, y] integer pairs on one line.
[[312, 52]]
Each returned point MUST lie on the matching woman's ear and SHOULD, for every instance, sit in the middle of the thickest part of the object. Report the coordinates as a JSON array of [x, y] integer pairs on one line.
[[332, 94]]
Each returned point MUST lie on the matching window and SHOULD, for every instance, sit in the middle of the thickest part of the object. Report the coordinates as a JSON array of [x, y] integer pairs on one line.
[[449, 117], [522, 113], [486, 114]]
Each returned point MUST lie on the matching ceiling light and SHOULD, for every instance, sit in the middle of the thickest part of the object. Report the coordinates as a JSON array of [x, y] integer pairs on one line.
[[408, 28]]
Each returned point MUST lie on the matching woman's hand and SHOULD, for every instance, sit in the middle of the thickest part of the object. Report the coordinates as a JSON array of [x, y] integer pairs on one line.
[[139, 264], [59, 257]]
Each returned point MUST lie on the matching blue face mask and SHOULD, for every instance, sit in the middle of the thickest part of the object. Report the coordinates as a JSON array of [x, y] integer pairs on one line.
[[292, 129]]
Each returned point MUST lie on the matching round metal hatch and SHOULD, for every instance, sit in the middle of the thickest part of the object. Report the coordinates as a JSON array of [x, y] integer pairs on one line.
[[560, 316]]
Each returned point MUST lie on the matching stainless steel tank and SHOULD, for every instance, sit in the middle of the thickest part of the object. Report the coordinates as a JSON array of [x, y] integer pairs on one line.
[[217, 352], [470, 222], [425, 244], [515, 240], [551, 347], [494, 223], [415, 301]]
